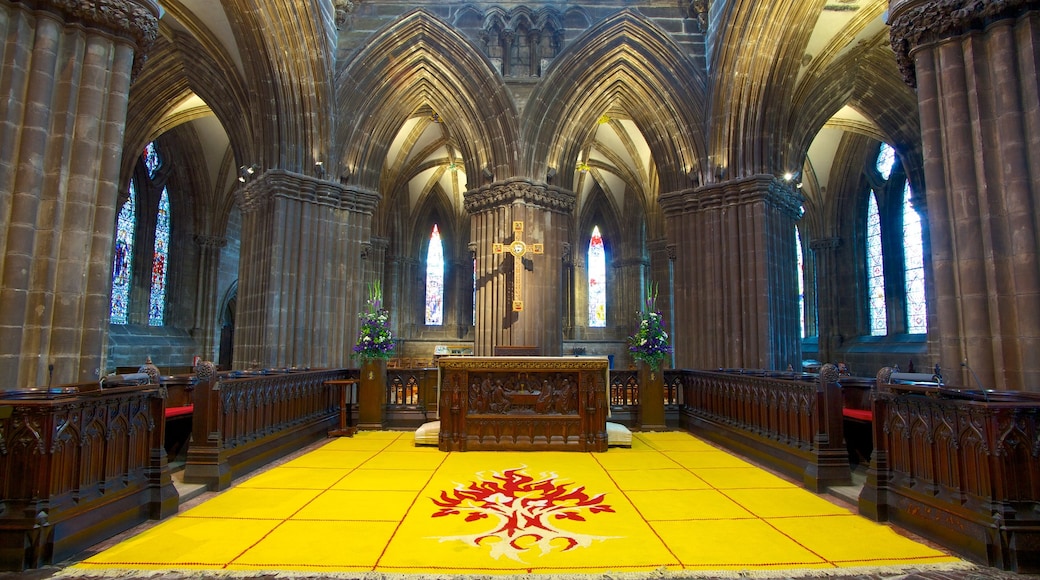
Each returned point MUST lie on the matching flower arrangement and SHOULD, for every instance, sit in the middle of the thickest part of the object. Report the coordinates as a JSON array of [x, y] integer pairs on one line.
[[375, 340], [649, 344]]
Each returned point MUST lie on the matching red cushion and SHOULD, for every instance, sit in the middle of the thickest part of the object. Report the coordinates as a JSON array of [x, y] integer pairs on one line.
[[858, 414], [172, 412]]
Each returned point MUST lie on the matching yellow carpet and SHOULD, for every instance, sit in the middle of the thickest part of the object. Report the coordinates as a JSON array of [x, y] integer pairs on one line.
[[375, 503]]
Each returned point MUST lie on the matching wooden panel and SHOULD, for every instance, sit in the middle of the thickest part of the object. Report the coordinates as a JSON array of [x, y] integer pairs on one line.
[[960, 468], [788, 421], [244, 420], [77, 468], [523, 403]]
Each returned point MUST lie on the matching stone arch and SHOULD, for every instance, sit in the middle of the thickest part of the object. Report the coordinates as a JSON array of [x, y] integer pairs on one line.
[[625, 62], [441, 70]]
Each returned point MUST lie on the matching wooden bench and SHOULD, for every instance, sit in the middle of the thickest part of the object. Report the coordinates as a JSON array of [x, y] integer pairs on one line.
[[180, 407], [858, 416]]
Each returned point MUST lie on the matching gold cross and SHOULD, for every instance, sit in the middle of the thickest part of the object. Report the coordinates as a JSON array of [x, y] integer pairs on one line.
[[517, 248]]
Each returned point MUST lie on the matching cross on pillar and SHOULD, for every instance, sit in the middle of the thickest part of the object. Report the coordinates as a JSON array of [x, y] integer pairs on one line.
[[518, 248]]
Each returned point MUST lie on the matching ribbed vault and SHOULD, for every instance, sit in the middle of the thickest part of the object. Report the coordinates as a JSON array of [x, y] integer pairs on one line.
[[625, 63], [415, 63]]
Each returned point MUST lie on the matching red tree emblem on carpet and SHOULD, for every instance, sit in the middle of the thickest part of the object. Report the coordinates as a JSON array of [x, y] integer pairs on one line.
[[524, 510]]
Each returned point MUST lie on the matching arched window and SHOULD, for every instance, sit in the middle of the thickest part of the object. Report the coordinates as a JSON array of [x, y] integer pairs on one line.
[[875, 271], [435, 280], [801, 279], [597, 269], [913, 264], [157, 300], [886, 160], [126, 231], [122, 271]]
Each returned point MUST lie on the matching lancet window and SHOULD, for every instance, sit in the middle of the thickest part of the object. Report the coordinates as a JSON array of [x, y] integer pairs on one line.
[[597, 270], [435, 279]]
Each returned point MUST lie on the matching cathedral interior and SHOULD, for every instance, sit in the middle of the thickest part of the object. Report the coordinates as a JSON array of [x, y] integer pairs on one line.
[[802, 180]]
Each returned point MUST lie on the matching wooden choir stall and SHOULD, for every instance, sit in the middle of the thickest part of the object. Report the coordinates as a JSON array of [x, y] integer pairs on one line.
[[523, 403]]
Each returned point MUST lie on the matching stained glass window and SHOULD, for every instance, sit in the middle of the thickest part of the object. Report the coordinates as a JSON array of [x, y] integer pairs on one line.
[[123, 260], [875, 271], [597, 268], [435, 280], [157, 301], [913, 256], [885, 160], [801, 280], [152, 161]]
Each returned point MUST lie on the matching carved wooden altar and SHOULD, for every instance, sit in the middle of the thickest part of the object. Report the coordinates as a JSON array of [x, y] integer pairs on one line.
[[523, 403]]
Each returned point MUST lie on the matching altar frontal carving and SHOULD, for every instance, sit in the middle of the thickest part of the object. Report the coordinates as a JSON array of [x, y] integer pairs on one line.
[[536, 403]]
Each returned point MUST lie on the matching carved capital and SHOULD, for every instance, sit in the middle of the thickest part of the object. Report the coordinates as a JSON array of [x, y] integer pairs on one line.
[[673, 251], [209, 242], [502, 193], [825, 244], [746, 190], [919, 22], [136, 20], [305, 188]]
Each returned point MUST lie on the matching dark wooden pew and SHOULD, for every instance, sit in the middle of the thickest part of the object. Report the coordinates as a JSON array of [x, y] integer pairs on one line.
[[79, 464], [857, 417], [789, 421], [959, 467], [244, 420]]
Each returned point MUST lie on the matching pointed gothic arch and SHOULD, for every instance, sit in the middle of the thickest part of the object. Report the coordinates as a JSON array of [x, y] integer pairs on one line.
[[602, 73], [443, 71]]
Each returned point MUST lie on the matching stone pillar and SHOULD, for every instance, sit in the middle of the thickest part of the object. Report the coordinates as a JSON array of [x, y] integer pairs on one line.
[[299, 273], [975, 65], [828, 287], [66, 75], [207, 328], [736, 285], [545, 212]]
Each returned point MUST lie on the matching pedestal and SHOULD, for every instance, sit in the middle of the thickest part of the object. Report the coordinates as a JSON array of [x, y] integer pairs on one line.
[[372, 394], [651, 399]]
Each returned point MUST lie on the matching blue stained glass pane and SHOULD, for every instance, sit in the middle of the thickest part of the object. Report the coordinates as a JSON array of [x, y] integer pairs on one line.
[[597, 268], [913, 262], [885, 160], [435, 280], [875, 271], [801, 279], [157, 301], [152, 161], [124, 258]]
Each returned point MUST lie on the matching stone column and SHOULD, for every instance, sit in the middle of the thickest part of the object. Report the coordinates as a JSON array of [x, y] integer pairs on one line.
[[828, 287], [66, 74], [974, 65], [630, 290], [545, 212], [736, 286], [299, 270], [207, 328]]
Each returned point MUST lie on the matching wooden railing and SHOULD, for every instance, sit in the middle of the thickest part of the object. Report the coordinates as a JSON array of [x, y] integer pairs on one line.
[[411, 396], [788, 421], [242, 421], [78, 464], [961, 468], [624, 395]]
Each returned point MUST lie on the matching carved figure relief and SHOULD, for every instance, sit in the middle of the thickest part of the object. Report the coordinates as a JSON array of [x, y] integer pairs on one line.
[[510, 395]]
